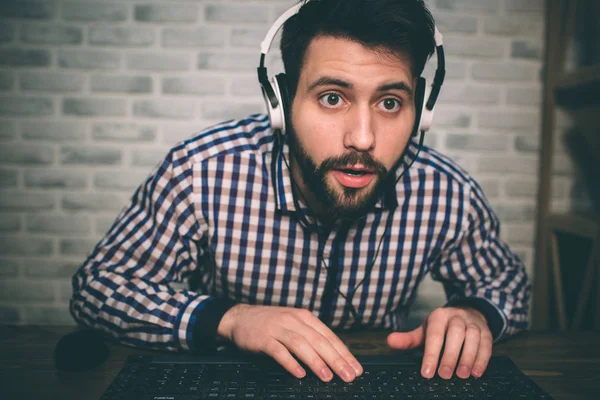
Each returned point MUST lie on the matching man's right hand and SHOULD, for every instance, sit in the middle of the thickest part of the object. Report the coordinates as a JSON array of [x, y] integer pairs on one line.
[[281, 331]]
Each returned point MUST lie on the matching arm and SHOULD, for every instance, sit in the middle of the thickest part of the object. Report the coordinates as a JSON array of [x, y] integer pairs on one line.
[[123, 287]]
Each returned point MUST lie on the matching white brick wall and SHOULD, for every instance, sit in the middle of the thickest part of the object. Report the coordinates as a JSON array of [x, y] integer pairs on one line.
[[93, 93]]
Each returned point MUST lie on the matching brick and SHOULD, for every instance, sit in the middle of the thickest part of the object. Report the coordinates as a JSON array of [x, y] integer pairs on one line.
[[26, 201], [92, 202], [123, 132], [535, 6], [26, 106], [90, 155], [147, 158], [524, 96], [490, 187], [110, 180], [470, 94], [7, 32], [51, 81], [24, 58], [77, 247], [236, 13], [192, 38], [483, 6], [227, 61], [527, 143], [249, 37], [7, 79], [451, 23], [54, 131], [176, 133], [455, 70], [226, 110], [512, 26], [26, 154], [25, 246], [509, 120], [88, 59], [9, 315], [10, 222], [9, 268], [59, 224], [505, 72], [44, 269], [51, 34], [519, 233], [30, 9], [121, 84], [158, 62], [65, 291], [508, 165], [9, 178], [446, 117], [163, 108], [91, 107], [121, 36], [529, 187], [476, 142], [91, 11], [196, 86], [166, 13], [475, 47], [8, 129], [244, 86], [55, 179], [48, 315], [514, 212], [526, 49]]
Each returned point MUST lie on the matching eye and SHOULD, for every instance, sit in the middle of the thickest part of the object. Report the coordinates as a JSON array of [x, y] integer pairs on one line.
[[390, 104], [331, 100]]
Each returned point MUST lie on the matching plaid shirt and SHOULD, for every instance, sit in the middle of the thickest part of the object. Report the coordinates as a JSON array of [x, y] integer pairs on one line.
[[219, 211]]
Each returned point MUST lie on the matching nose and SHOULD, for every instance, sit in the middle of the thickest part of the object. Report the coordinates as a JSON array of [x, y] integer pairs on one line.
[[360, 129]]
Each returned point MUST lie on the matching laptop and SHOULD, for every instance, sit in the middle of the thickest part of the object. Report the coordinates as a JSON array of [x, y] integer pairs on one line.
[[186, 377]]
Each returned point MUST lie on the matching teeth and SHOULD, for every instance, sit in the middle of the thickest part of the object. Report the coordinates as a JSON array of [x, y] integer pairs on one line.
[[355, 173]]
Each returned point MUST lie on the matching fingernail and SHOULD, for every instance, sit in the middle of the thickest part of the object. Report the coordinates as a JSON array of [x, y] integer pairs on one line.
[[347, 375], [300, 372], [326, 374], [445, 372], [357, 368], [427, 371], [463, 371], [477, 373]]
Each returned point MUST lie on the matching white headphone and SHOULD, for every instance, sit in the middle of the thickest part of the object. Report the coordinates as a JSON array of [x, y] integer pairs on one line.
[[275, 89]]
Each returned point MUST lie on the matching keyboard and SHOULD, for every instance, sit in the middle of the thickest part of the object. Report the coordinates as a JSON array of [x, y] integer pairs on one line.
[[182, 377]]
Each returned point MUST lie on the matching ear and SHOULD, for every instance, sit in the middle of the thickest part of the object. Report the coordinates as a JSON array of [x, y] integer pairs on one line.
[[284, 97]]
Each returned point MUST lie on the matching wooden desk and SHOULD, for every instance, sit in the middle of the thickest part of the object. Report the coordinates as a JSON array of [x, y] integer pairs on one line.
[[567, 366]]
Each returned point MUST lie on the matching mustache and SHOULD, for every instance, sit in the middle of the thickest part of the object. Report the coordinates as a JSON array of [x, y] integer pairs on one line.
[[351, 159]]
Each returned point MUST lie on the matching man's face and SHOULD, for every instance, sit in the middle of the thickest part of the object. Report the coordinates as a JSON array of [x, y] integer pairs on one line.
[[351, 117]]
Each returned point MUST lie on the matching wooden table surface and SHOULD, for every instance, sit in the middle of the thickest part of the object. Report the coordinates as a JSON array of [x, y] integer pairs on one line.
[[566, 365]]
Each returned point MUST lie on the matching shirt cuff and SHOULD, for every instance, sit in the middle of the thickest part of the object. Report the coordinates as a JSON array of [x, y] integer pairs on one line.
[[494, 316], [204, 323]]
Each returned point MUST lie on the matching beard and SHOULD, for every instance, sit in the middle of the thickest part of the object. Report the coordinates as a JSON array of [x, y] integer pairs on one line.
[[347, 203]]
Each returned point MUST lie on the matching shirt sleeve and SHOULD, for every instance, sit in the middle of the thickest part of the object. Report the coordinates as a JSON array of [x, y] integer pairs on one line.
[[480, 271], [123, 287]]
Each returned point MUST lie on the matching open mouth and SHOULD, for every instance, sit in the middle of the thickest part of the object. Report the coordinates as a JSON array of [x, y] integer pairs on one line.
[[355, 177]]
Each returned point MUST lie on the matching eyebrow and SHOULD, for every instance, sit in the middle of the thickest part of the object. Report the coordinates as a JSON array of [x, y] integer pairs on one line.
[[327, 80]]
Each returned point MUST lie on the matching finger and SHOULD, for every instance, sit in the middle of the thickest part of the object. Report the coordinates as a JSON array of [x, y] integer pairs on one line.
[[484, 354], [282, 355], [407, 340], [455, 337], [303, 349], [337, 344], [327, 352], [469, 352], [434, 340]]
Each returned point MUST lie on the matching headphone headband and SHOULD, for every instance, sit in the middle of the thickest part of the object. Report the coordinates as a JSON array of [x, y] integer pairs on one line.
[[273, 96]]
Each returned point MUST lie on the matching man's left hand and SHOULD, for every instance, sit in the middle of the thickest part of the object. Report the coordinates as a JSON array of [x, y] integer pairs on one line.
[[464, 328]]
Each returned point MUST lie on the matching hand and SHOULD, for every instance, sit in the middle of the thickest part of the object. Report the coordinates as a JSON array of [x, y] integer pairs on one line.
[[281, 331], [462, 327]]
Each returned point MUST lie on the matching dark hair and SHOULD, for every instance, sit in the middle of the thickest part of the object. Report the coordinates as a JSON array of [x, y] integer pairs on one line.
[[399, 27]]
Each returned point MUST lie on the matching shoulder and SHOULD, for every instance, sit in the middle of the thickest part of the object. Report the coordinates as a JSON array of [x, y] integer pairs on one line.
[[243, 137], [432, 162]]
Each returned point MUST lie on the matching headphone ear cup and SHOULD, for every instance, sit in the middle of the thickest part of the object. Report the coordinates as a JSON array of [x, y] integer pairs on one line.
[[419, 105], [275, 113], [284, 97]]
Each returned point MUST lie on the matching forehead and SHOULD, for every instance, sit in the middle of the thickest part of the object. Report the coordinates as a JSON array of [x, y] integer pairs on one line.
[[328, 54]]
